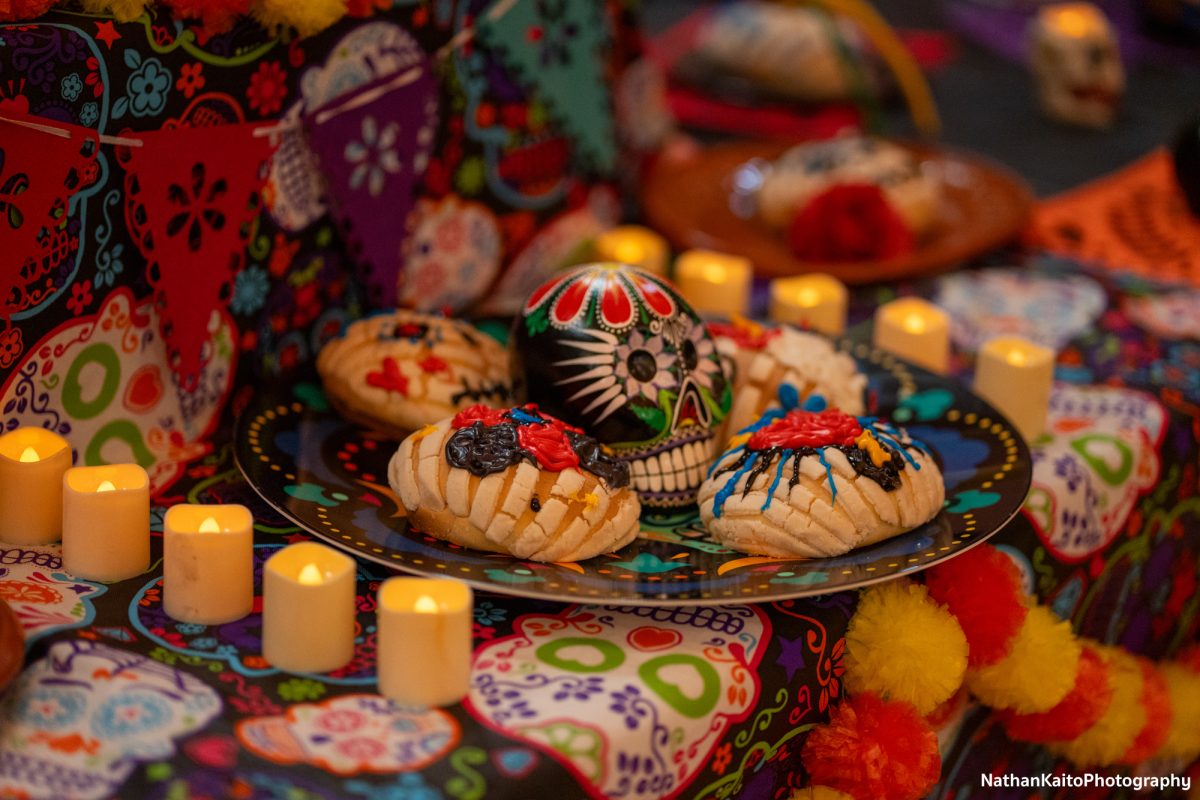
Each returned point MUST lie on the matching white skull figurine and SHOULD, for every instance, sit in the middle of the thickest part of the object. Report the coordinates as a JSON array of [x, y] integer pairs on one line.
[[1076, 64]]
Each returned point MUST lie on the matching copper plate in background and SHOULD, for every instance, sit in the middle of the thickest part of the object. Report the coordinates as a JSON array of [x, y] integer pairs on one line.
[[984, 205]]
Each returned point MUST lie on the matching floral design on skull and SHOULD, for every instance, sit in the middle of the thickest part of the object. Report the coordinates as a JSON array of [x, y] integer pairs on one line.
[[619, 353]]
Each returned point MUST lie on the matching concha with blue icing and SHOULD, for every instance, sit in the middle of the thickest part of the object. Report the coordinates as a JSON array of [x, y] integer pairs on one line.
[[819, 484]]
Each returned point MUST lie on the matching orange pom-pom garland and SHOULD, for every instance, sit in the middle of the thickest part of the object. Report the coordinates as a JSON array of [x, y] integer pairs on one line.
[[982, 588], [874, 750], [1079, 710]]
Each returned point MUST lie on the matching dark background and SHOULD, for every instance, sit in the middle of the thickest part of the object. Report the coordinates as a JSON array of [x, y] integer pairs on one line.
[[987, 104]]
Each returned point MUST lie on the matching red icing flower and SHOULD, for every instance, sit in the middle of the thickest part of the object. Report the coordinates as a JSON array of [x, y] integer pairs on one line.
[[432, 364], [479, 413], [849, 222], [549, 445], [807, 429], [389, 377], [748, 335]]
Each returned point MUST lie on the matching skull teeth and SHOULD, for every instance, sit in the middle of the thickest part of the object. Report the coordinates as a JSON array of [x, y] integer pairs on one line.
[[678, 469]]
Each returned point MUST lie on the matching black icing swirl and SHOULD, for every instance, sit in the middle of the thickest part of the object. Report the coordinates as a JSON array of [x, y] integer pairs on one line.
[[592, 457], [484, 450]]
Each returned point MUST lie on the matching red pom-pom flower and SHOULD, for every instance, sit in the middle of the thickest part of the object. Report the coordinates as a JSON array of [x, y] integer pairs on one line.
[[1156, 700], [1082, 708], [874, 750], [849, 222], [982, 588], [216, 16]]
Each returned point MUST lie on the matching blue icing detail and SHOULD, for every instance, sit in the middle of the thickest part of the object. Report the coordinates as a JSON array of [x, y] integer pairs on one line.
[[895, 445], [727, 490], [815, 403], [788, 396], [713, 466], [828, 476], [778, 474], [523, 417]]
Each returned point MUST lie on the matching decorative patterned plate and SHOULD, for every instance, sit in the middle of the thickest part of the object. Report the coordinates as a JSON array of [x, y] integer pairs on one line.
[[330, 477], [692, 203]]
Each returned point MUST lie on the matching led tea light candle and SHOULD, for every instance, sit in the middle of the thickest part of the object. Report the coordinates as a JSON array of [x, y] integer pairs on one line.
[[208, 563], [424, 641], [814, 301], [634, 245], [714, 283], [308, 608], [32, 463], [1016, 375], [106, 522], [916, 331]]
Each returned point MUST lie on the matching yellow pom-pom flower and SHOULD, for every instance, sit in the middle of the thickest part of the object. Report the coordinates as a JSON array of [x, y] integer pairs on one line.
[[306, 16], [903, 645], [1183, 737], [1106, 741], [819, 793], [122, 10], [1038, 671]]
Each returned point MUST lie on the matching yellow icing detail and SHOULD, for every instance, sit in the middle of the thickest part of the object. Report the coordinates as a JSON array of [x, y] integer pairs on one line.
[[421, 434], [751, 327], [867, 442], [739, 440], [590, 500]]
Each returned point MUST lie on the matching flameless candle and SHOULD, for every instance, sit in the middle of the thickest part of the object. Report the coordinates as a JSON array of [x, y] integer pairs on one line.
[[32, 463], [634, 245], [914, 330], [208, 563], [714, 283], [815, 301], [424, 641], [106, 522], [1016, 375], [308, 608]]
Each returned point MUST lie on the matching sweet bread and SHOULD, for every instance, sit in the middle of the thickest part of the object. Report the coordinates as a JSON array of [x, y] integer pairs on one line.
[[761, 359], [399, 371], [807, 170], [516, 481], [818, 484]]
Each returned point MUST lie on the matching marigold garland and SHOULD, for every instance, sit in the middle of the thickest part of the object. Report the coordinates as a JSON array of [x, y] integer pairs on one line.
[[122, 10], [215, 16], [306, 16], [1105, 742], [903, 646], [982, 589], [874, 749], [1022, 680], [1157, 705], [819, 793], [1079, 710], [1183, 692]]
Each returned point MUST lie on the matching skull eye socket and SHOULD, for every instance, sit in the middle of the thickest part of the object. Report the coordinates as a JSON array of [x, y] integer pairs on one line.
[[642, 365], [690, 357]]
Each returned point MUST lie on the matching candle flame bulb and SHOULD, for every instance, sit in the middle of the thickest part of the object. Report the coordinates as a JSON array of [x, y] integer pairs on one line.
[[209, 526], [29, 456], [807, 297], [106, 486], [426, 605], [310, 575], [1016, 358], [914, 323]]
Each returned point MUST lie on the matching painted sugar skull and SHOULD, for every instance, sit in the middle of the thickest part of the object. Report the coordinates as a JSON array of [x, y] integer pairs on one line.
[[1076, 64], [652, 691], [619, 353]]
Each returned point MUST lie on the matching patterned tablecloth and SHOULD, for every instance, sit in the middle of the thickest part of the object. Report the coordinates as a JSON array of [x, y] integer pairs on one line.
[[625, 702]]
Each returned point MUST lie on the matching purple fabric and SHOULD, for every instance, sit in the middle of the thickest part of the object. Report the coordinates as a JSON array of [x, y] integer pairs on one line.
[[373, 147], [1003, 31]]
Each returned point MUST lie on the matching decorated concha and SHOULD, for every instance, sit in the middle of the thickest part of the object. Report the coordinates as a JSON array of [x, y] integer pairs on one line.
[[759, 359], [516, 481], [818, 484], [400, 371], [619, 353]]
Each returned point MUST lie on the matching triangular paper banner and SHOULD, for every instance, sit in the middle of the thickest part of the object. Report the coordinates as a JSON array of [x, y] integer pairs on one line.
[[373, 147], [41, 165], [555, 47], [195, 192]]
